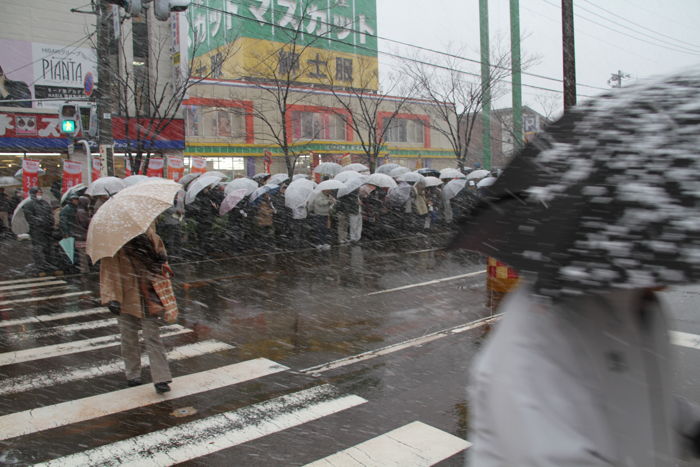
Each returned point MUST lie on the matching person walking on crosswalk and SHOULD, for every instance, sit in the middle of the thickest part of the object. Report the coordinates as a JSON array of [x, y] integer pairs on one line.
[[125, 288]]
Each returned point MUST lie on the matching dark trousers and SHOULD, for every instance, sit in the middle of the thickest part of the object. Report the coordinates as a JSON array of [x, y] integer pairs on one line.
[[41, 252]]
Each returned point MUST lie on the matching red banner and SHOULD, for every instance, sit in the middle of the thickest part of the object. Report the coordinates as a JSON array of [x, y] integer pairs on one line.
[[176, 167], [267, 162], [72, 175], [155, 167], [127, 167], [96, 168], [199, 165], [30, 175]]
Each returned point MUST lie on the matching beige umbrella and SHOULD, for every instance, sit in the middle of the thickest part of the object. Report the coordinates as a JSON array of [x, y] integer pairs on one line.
[[127, 214]]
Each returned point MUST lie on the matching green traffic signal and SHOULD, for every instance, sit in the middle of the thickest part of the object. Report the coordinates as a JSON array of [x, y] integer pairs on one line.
[[68, 126]]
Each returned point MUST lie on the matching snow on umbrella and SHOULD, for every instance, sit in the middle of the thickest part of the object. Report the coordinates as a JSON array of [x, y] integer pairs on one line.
[[381, 180], [277, 179], [9, 181], [432, 181], [488, 181], [231, 200], [78, 189], [135, 179], [330, 185], [398, 195], [453, 187], [238, 183], [105, 186], [216, 173], [328, 169], [345, 176], [128, 214], [605, 198], [451, 173], [200, 184], [19, 222], [398, 171], [428, 172], [184, 181], [356, 168], [300, 176], [411, 177], [353, 184], [386, 168], [298, 193], [261, 176], [258, 193], [477, 174], [18, 174]]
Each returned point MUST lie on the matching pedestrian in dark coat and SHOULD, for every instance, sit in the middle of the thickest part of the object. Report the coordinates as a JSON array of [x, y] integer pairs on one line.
[[68, 218], [40, 219]]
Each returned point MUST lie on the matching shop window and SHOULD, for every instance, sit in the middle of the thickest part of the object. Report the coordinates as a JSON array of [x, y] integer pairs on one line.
[[193, 122], [319, 126], [405, 130], [226, 123]]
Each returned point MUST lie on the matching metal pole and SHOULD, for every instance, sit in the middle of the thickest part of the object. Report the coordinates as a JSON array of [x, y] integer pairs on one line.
[[516, 72], [485, 80], [88, 159], [104, 86], [567, 26]]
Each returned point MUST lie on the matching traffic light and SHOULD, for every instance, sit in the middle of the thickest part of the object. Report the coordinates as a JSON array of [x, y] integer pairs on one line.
[[163, 8], [133, 7], [70, 119]]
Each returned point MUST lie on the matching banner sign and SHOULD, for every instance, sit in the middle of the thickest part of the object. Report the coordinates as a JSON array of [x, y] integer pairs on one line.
[[30, 175], [127, 167], [267, 161], [72, 175], [176, 167], [199, 165], [155, 167], [96, 168]]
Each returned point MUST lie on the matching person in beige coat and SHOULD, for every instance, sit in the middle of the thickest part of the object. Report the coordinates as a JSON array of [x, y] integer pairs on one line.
[[125, 288]]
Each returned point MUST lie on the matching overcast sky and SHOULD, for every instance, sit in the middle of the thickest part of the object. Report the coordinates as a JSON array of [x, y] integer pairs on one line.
[[667, 36]]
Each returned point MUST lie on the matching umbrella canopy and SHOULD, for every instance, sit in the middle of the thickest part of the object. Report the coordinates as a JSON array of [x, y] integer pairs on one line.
[[19, 222], [606, 198], [200, 184], [453, 187], [134, 179], [277, 179], [328, 169], [398, 171], [399, 195], [381, 180], [432, 181], [428, 172], [216, 173], [352, 184], [237, 183], [451, 173], [78, 189], [18, 174], [330, 185], [348, 175], [9, 181], [261, 176], [257, 194], [298, 193], [356, 168], [231, 200], [184, 181], [298, 176], [105, 186], [488, 181], [411, 177], [127, 214], [477, 174], [386, 168]]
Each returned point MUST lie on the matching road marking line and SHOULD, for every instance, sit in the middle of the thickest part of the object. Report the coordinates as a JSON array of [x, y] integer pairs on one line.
[[29, 286], [399, 346], [212, 434], [33, 279], [89, 408], [47, 297], [52, 317], [415, 444], [422, 284], [53, 377], [66, 348], [684, 339], [14, 293], [63, 331]]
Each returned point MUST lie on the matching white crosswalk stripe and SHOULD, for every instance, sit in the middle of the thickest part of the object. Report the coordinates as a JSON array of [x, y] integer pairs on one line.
[[16, 293], [44, 318], [37, 280], [47, 297], [62, 331], [31, 285]]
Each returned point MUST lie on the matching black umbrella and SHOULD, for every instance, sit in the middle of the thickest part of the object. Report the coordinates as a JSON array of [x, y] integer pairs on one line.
[[607, 197]]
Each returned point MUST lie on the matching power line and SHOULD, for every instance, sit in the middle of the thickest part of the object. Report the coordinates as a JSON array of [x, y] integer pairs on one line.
[[80, 42]]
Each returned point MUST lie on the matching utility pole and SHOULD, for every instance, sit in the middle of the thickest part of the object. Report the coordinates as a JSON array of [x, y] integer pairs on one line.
[[485, 80], [615, 80], [104, 85], [516, 72], [567, 26]]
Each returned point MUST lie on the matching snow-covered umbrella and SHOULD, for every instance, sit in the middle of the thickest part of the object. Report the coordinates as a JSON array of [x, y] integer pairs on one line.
[[9, 181], [398, 171], [411, 177], [20, 225], [328, 169], [135, 179], [231, 200], [105, 186], [428, 172], [353, 184], [398, 195], [216, 173], [277, 179], [356, 168], [298, 193], [18, 174], [184, 181], [453, 187], [451, 173], [78, 189], [330, 185], [477, 174], [257, 194], [488, 181], [299, 176], [381, 180], [432, 181], [386, 168], [238, 183], [348, 175], [200, 184]]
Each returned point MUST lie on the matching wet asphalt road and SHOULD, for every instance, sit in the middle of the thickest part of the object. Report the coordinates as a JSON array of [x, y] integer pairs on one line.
[[380, 325]]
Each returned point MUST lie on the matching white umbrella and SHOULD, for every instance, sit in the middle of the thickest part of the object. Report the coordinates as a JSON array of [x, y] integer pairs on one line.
[[399, 171], [134, 179], [488, 181], [476, 174], [105, 186], [432, 181], [277, 179], [18, 174], [328, 168], [9, 181], [381, 180], [188, 178], [74, 189], [453, 187], [353, 184], [19, 222], [300, 176], [356, 167], [386, 168], [298, 193], [345, 176], [215, 173], [262, 190], [398, 195], [200, 184], [238, 183], [451, 173], [411, 177], [330, 185], [231, 200]]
